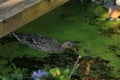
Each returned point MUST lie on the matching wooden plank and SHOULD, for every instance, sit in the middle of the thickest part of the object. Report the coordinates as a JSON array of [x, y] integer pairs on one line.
[[14, 15], [9, 8]]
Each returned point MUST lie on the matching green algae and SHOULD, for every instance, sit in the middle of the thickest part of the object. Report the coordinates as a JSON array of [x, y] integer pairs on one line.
[[73, 21]]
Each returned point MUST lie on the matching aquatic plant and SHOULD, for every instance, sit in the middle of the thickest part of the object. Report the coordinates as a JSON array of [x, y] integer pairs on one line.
[[2, 78], [65, 75], [82, 22], [60, 74], [55, 72], [76, 65], [37, 75]]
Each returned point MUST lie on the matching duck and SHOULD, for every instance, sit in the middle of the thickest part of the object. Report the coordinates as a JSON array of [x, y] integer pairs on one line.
[[44, 43]]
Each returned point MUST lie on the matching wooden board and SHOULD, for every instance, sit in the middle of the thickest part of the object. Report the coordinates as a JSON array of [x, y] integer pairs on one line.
[[16, 13]]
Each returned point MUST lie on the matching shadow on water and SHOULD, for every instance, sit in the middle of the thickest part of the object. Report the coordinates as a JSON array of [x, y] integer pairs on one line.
[[94, 68], [54, 60], [7, 39]]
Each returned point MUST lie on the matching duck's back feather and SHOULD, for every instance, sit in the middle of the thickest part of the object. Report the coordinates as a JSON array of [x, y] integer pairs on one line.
[[40, 42]]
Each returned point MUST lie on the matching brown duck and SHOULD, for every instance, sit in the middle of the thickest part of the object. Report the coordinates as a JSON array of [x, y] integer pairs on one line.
[[44, 43]]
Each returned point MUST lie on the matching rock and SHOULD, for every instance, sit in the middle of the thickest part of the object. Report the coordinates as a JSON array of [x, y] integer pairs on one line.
[[117, 2], [109, 3], [97, 1]]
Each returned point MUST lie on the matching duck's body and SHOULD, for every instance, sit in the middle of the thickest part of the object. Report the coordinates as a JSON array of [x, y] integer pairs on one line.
[[40, 42]]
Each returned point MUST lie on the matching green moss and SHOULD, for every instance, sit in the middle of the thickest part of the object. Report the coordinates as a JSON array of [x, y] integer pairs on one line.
[[76, 22]]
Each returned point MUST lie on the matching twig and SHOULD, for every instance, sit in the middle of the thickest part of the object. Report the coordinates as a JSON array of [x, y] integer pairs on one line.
[[76, 65]]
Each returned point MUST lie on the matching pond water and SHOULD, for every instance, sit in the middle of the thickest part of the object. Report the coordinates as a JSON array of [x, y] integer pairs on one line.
[[97, 40]]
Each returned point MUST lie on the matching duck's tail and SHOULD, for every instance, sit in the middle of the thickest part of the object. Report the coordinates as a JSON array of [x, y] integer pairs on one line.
[[16, 36]]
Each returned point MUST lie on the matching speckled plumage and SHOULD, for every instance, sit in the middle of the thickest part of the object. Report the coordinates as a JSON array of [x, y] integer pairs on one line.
[[43, 43]]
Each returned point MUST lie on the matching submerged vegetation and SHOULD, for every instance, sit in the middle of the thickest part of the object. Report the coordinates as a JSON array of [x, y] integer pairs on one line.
[[98, 43]]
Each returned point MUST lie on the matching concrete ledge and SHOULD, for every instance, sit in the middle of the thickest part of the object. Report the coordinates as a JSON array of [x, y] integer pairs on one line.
[[20, 13]]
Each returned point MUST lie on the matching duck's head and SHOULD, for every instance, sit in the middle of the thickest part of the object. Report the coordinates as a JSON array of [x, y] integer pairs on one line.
[[69, 45]]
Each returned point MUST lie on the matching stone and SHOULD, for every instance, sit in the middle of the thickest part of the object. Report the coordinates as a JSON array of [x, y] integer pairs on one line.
[[109, 3]]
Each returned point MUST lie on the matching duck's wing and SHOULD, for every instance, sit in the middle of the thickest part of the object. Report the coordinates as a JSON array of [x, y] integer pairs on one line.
[[23, 38], [39, 42], [44, 43], [16, 36]]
